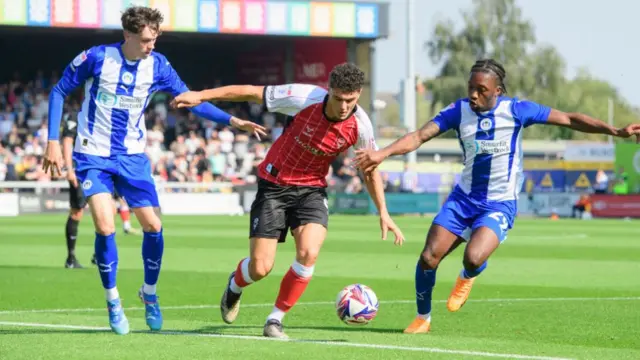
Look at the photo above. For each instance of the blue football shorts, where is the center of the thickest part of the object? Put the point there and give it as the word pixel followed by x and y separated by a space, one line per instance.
pixel 129 174
pixel 461 215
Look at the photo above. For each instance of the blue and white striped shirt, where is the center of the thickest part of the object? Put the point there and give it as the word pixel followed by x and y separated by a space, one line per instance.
pixel 491 143
pixel 116 93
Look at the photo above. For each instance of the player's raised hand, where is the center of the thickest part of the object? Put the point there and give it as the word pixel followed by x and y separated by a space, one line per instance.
pixel 386 224
pixel 187 99
pixel 53 158
pixel 368 160
pixel 631 130
pixel 249 126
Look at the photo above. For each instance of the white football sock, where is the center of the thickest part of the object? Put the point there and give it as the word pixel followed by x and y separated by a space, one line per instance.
pixel 149 289
pixel 276 314
pixel 234 287
pixel 111 294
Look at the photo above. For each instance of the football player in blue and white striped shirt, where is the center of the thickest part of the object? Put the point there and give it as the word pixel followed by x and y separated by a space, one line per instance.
pixel 482 207
pixel 119 80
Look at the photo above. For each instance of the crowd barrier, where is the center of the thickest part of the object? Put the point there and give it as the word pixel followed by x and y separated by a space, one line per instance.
pixel 545 204
pixel 397 203
pixel 18 198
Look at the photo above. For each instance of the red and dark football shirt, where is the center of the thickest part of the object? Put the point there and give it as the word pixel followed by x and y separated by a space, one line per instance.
pixel 303 153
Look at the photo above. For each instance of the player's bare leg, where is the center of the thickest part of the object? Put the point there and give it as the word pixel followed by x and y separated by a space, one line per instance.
pixel 152 250
pixel 484 241
pixel 107 258
pixel 439 243
pixel 309 239
pixel 262 254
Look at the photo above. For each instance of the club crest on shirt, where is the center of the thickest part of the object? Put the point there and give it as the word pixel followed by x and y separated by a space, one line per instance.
pixel 127 78
pixel 485 124
pixel 308 131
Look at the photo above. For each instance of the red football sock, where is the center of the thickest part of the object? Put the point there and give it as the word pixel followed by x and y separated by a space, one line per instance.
pixel 293 285
pixel 125 214
pixel 241 278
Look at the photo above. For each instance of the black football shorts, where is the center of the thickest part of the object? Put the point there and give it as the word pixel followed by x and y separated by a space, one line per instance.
pixel 278 208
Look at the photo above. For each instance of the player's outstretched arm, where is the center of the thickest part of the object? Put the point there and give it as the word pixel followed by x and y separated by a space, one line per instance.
pixel 368 160
pixel 587 124
pixel 233 93
pixel 213 113
pixel 170 81
pixel 373 181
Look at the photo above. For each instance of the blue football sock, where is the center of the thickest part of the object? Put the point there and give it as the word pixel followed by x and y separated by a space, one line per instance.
pixel 468 274
pixel 152 249
pixel 107 259
pixel 425 281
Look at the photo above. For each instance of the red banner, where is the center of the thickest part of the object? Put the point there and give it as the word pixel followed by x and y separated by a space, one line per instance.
pixel 314 59
pixel 264 66
pixel 616 206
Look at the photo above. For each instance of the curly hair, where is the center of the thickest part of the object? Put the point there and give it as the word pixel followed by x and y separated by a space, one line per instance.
pixel 135 18
pixel 346 77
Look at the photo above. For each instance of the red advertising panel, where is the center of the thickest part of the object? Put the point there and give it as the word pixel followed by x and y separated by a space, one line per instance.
pixel 262 66
pixel 314 59
pixel 617 206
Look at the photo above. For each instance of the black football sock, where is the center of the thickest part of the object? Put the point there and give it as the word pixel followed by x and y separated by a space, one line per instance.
pixel 71 233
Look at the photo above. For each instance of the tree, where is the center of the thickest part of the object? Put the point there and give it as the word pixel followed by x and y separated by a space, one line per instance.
pixel 497 29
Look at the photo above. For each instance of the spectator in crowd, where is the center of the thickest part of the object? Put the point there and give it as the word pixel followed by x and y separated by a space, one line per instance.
pixel 582 208
pixel 601 184
pixel 181 146
pixel 409 182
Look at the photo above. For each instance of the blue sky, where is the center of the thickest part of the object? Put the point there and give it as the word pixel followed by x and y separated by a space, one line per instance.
pixel 599 35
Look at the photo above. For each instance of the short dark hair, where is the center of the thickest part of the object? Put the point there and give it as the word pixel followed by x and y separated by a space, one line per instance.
pixel 346 77
pixel 492 66
pixel 135 18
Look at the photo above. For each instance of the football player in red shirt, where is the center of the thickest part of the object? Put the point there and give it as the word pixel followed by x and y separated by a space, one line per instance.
pixel 291 187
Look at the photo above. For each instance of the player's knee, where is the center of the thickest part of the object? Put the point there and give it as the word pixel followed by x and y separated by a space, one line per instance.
pixel 153 226
pixel 260 268
pixel 76 214
pixel 105 229
pixel 429 260
pixel 307 257
pixel 473 260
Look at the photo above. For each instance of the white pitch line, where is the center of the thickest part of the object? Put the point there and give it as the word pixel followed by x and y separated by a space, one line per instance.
pixel 318 303
pixel 317 342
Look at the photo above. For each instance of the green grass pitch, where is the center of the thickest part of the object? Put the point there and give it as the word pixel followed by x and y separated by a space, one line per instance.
pixel 554 289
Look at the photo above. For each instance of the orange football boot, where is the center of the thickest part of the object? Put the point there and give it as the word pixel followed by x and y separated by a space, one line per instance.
pixel 460 293
pixel 418 326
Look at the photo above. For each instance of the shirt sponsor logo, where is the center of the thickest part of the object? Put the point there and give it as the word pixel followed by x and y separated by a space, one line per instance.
pixel 492 147
pixel 122 102
pixel 313 150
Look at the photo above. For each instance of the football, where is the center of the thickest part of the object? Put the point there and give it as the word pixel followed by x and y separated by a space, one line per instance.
pixel 357 304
